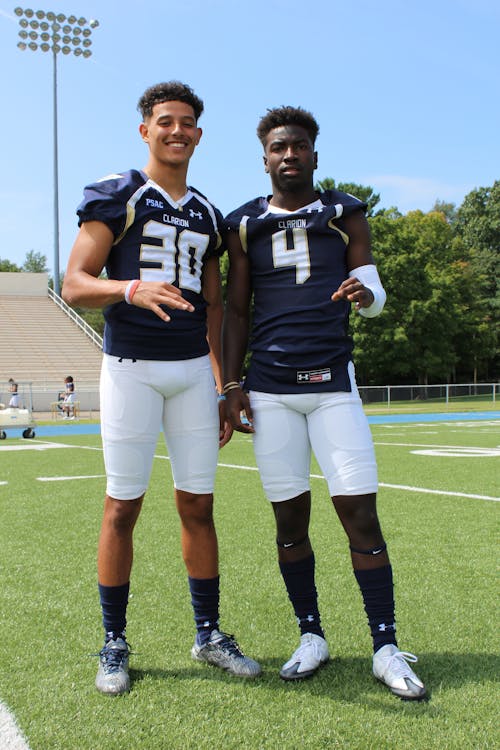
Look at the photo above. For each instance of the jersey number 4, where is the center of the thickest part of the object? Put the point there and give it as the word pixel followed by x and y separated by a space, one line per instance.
pixel 297 255
pixel 179 256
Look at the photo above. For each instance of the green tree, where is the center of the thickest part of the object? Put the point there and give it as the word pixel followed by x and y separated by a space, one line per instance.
pixel 6 266
pixel 94 318
pixel 449 210
pixel 477 232
pixel 413 340
pixel 35 263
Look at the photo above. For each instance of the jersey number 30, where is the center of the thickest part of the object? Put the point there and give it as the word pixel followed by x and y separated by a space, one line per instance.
pixel 180 255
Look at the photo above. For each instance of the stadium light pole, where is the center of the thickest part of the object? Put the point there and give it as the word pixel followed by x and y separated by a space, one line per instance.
pixel 48 31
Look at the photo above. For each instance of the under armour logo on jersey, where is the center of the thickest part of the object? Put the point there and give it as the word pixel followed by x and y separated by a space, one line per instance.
pixel 314 376
pixel 192 214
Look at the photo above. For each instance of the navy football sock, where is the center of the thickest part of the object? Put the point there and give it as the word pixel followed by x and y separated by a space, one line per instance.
pixel 299 581
pixel 378 597
pixel 205 601
pixel 114 600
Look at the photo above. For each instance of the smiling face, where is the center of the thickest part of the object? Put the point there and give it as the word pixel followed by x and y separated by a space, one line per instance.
pixel 290 159
pixel 171 133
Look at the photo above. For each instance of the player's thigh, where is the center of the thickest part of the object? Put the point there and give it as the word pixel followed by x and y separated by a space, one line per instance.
pixel 281 446
pixel 130 424
pixel 342 443
pixel 191 427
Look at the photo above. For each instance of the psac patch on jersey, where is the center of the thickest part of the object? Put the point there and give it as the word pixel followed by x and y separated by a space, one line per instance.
pixel 314 376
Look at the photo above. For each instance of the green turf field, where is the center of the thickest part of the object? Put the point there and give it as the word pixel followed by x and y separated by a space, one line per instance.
pixel 438 512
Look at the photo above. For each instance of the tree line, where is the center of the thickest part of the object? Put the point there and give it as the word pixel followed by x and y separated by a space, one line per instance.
pixel 440 270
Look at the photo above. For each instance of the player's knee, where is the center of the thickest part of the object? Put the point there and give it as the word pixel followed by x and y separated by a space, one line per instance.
pixel 195 509
pixel 292 519
pixel 365 522
pixel 359 516
pixel 121 515
pixel 292 529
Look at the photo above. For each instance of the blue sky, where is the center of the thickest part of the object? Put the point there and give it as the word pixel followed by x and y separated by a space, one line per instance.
pixel 406 94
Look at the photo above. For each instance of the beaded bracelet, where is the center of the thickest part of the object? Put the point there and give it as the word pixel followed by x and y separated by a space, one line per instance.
pixel 231 386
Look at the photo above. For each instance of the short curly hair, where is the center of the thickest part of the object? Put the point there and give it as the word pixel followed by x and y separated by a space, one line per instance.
pixel 171 91
pixel 279 116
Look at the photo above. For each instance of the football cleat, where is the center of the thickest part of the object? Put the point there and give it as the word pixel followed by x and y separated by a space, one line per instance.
pixel 307 659
pixel 222 651
pixel 390 666
pixel 112 675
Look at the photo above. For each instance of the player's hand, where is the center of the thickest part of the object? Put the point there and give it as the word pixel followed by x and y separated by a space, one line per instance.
pixel 237 405
pixel 225 426
pixel 353 290
pixel 151 294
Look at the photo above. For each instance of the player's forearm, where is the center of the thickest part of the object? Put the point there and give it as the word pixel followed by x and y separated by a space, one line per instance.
pixel 214 331
pixel 80 289
pixel 234 345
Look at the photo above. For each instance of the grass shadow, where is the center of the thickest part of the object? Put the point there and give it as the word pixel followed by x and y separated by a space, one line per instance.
pixel 347 679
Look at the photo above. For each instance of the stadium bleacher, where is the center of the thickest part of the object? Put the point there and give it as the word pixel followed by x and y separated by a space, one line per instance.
pixel 39 342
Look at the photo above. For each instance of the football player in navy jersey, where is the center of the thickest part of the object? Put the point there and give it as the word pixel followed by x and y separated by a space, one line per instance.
pixel 305 257
pixel 159 242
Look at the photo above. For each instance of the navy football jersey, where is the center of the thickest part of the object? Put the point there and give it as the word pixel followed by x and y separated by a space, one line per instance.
pixel 155 239
pixel 299 340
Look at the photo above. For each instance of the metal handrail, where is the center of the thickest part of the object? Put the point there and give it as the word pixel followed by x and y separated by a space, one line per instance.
pixel 80 322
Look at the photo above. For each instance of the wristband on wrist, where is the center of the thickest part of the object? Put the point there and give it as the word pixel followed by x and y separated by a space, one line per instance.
pixel 230 386
pixel 131 289
pixel 220 397
pixel 368 276
pixel 230 382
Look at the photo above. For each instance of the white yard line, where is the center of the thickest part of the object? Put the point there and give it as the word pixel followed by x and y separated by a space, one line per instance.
pixel 11 737
pixel 408 488
pixel 65 479
pixel 438 446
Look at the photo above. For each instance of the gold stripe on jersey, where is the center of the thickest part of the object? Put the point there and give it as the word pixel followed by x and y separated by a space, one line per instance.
pixel 344 236
pixel 243 233
pixel 131 203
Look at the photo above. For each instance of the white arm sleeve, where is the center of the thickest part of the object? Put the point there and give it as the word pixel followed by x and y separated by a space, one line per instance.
pixel 368 275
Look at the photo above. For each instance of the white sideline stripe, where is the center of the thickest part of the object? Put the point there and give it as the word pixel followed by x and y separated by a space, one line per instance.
pixel 408 488
pixel 389 486
pixel 64 479
pixel 10 734
pixel 438 492
pixel 31 445
pixel 438 447
pixel 235 466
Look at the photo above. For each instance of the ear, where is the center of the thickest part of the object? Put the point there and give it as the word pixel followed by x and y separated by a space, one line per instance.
pixel 198 136
pixel 143 130
pixel 315 160
pixel 266 165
